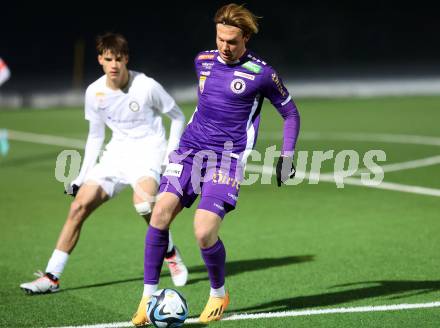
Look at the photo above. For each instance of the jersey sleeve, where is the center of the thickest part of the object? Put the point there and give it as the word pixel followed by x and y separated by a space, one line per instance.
pixel 95 140
pixel 274 89
pixel 159 98
pixel 176 129
pixel 276 92
pixel 90 110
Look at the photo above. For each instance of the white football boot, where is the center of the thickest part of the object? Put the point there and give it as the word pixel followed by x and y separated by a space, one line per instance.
pixel 178 270
pixel 46 283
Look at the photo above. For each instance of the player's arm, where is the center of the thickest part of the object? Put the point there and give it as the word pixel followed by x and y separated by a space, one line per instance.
pixel 176 129
pixel 95 140
pixel 277 93
pixel 285 168
pixel 166 105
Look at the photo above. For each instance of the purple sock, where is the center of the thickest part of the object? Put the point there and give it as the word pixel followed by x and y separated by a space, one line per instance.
pixel 156 244
pixel 215 258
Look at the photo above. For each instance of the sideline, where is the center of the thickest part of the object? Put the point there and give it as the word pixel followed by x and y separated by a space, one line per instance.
pixel 267 315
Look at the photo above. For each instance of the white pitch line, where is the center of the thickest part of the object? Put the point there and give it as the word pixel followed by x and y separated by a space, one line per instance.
pixel 428 161
pixel 364 137
pixel 283 314
pixel 346 136
pixel 378 308
pixel 380 137
pixel 385 186
pixel 46 139
pixel 325 177
pixel 330 177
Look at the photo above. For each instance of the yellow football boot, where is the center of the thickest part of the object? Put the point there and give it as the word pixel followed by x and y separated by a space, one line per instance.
pixel 214 308
pixel 140 318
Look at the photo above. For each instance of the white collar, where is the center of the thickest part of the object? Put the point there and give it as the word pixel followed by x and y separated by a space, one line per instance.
pixel 220 59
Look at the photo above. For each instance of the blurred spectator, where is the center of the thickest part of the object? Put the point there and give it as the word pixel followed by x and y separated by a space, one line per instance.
pixel 5 73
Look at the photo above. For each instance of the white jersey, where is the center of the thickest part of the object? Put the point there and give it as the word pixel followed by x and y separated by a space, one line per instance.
pixel 132 113
pixel 138 147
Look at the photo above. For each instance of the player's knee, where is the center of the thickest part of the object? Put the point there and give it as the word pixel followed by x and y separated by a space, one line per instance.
pixel 78 210
pixel 204 237
pixel 161 217
pixel 143 208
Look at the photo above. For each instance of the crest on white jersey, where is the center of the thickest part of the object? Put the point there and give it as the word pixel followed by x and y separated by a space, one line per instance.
pixel 100 98
pixel 238 86
pixel 134 106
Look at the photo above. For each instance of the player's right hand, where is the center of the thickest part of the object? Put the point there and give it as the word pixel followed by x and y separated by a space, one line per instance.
pixel 285 169
pixel 72 190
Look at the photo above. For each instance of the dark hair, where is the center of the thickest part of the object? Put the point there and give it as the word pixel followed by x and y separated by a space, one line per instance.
pixel 113 42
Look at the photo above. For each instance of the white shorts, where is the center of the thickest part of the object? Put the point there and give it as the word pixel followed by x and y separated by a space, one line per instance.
pixel 125 163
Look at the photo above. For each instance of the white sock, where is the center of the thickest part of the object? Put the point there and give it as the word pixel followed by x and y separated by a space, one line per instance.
pixel 149 289
pixel 57 262
pixel 170 243
pixel 218 292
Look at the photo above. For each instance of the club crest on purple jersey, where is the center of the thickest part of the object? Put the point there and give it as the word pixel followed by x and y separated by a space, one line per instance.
pixel 238 86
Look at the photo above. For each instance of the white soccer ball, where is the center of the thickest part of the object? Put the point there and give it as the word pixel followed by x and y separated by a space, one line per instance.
pixel 167 308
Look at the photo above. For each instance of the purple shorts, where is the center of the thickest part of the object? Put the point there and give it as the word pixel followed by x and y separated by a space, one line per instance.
pixel 217 178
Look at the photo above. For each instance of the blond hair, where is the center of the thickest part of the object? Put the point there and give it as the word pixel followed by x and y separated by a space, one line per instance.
pixel 238 16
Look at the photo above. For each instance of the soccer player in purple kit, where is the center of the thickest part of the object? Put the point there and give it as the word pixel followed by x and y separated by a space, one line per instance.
pixel 233 82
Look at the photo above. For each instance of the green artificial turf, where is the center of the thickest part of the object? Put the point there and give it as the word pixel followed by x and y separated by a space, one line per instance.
pixel 304 247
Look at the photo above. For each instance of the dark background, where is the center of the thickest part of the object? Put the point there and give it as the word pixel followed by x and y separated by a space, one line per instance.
pixel 300 39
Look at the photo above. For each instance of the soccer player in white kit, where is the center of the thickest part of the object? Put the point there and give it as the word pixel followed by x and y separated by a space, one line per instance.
pixel 130 104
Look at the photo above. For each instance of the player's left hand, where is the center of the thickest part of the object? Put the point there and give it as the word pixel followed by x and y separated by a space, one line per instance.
pixel 285 169
pixel 72 190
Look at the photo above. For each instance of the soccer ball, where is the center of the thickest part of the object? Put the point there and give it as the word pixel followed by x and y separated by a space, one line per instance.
pixel 167 308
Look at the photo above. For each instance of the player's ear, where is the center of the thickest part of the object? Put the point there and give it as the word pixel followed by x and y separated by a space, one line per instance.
pixel 100 60
pixel 246 38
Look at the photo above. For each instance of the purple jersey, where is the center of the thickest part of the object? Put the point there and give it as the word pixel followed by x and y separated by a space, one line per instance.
pixel 230 97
